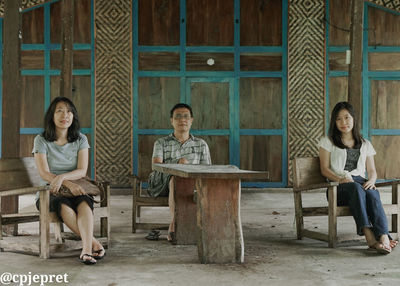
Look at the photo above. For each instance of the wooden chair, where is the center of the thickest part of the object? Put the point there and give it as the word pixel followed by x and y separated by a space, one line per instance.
pixel 307 177
pixel 19 176
pixel 139 199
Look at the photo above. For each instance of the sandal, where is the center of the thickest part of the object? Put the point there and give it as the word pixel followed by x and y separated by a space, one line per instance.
pixel 100 253
pixel 89 261
pixel 381 248
pixel 153 235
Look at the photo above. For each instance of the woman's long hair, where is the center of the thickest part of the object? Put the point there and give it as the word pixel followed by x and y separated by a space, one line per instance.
pixel 49 132
pixel 334 132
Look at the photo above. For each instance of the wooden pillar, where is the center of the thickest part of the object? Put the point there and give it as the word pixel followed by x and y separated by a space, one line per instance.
pixel 67 48
pixel 11 92
pixel 355 70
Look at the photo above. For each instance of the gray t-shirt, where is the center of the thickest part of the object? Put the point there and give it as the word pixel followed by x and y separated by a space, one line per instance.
pixel 61 159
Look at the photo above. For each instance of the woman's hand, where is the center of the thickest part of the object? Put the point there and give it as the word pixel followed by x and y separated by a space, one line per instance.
pixel 183 161
pixel 345 180
pixel 75 189
pixel 370 184
pixel 56 183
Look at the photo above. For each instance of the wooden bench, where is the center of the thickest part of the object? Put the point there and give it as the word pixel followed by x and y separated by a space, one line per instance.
pixel 139 200
pixel 19 176
pixel 307 177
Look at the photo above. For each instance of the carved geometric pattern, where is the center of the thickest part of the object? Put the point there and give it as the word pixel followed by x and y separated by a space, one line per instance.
pixel 390 4
pixel 25 4
pixel 306 96
pixel 113 131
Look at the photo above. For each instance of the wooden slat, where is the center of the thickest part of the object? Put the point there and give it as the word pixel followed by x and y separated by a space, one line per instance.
pixel 198 62
pixel 316 186
pixel 20 218
pixel 306 171
pixel 315 235
pixel 260 62
pixel 159 61
pixel 209 171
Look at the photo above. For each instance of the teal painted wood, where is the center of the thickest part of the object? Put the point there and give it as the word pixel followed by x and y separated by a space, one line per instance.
pixel 365 88
pixel 32 131
pixel 233 77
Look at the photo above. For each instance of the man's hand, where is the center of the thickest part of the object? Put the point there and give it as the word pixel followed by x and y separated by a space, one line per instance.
pixel 345 180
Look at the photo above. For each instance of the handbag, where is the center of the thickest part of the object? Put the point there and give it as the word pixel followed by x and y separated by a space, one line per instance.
pixel 91 187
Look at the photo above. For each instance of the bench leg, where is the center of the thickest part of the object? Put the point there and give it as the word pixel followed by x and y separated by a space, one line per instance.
pixel 396 217
pixel 298 214
pixel 44 228
pixel 58 232
pixel 332 217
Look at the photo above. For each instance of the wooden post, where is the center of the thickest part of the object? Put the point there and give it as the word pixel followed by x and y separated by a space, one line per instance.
pixel 67 48
pixel 355 69
pixel 44 225
pixel 11 93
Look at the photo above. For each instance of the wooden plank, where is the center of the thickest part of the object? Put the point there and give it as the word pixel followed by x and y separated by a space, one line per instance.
pixel 219 148
pixel 306 171
pixel 384 61
pixel 11 91
pixel 67 15
pixel 210 23
pixel 314 235
pixel 385 104
pixel 261 23
pixel 339 20
pixel 338 89
pixel 384 28
pixel 81 22
pixel 32 102
pixel 159 61
pixel 19 218
pixel 156 98
pixel 32 60
pixel 260 62
pixel 185 211
pixel 387 160
pixel 146 143
pixel 218 216
pixel 337 62
pixel 199 62
pixel 159 22
pixel 355 69
pixel 32 26
pixel 256 96
pixel 262 153
pixel 210 101
pixel 209 171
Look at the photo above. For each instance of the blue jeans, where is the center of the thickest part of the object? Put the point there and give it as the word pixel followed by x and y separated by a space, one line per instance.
pixel 365 206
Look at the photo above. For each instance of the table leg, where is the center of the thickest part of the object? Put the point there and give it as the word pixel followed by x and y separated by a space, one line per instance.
pixel 218 218
pixel 185 211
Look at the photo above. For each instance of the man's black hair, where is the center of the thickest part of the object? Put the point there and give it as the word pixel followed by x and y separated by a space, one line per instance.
pixel 181 105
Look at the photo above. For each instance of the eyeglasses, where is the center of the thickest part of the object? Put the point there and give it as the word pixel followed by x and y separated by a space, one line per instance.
pixel 180 116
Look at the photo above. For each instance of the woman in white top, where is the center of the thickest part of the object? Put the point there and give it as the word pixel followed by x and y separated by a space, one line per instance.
pixel 344 158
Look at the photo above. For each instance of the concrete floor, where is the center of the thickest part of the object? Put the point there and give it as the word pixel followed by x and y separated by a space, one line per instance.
pixel 273 256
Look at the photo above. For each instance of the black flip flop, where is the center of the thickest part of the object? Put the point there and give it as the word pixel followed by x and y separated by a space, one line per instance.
pixel 87 262
pixel 153 235
pixel 98 257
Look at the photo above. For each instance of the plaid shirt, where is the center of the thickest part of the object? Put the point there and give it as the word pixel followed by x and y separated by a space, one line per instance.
pixel 170 150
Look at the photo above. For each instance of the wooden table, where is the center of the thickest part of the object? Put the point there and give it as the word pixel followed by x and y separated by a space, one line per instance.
pixel 218 230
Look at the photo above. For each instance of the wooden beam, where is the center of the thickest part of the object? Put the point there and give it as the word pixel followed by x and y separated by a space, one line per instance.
pixel 67 48
pixel 355 69
pixel 11 92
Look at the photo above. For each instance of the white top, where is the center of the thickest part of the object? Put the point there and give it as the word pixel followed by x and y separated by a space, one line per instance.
pixel 339 156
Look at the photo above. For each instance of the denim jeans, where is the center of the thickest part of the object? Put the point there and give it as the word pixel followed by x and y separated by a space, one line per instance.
pixel 365 206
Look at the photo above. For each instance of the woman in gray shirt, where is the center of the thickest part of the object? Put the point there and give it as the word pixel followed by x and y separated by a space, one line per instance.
pixel 61 153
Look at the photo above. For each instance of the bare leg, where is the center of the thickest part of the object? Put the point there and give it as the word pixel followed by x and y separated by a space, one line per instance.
pixel 369 236
pixel 171 204
pixel 70 219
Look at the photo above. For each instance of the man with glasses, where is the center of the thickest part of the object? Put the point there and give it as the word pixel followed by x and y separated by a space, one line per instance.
pixel 180 147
